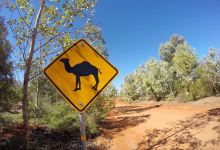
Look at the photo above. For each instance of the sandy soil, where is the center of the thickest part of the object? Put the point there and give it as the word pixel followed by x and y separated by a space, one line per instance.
pixel 152 125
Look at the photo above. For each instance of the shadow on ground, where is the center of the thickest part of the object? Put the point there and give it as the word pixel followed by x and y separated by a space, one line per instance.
pixel 41 138
pixel 133 109
pixel 182 134
pixel 121 123
pixel 115 125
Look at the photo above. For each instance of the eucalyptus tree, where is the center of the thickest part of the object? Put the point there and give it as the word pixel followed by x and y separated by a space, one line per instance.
pixel 185 63
pixel 128 91
pixel 209 69
pixel 159 79
pixel 133 87
pixel 168 49
pixel 48 26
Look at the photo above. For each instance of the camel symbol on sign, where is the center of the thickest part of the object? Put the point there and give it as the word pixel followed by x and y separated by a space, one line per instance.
pixel 82 69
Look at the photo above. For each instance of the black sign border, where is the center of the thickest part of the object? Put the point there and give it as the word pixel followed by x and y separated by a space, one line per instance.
pixel 85 107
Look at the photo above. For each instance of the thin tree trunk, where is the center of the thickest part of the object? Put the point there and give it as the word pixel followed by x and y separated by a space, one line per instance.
pixel 171 91
pixel 26 78
pixel 216 90
pixel 37 96
pixel 38 78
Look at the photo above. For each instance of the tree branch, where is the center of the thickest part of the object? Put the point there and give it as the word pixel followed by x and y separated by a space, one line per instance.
pixel 34 76
pixel 23 52
pixel 44 44
pixel 46 55
pixel 23 18
pixel 33 16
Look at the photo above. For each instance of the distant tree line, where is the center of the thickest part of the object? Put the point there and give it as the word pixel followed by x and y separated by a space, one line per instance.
pixel 8 86
pixel 177 75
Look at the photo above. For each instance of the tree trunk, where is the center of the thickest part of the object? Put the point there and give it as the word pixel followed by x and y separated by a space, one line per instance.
pixel 216 90
pixel 26 78
pixel 38 78
pixel 171 91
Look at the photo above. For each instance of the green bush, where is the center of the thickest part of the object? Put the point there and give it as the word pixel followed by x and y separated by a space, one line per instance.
pixel 43 108
pixel 60 115
pixel 10 98
pixel 201 88
pixel 183 97
pixel 129 88
pixel 100 108
pixel 7 118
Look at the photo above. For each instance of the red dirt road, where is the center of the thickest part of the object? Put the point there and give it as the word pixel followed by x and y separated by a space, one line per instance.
pixel 152 125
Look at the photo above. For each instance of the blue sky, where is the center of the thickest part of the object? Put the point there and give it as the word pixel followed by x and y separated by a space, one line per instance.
pixel 134 29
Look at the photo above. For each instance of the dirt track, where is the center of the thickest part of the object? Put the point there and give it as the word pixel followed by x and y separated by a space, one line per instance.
pixel 151 125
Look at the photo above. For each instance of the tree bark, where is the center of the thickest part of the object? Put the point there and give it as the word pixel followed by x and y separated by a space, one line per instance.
pixel 38 78
pixel 26 78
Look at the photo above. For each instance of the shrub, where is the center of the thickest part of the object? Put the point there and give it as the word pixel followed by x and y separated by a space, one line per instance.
pixel 201 88
pixel 60 115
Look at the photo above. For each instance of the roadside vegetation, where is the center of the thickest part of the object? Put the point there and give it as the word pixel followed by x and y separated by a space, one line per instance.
pixel 178 75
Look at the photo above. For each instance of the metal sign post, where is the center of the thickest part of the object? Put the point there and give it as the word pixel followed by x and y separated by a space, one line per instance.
pixel 82 130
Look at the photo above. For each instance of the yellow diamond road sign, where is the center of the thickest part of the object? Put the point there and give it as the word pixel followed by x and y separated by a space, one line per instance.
pixel 80 73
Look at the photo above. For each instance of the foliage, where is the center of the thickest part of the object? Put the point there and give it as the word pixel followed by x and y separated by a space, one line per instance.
pixel 97 112
pixel 60 115
pixel 168 49
pixel 184 62
pixel 159 79
pixel 201 88
pixel 57 21
pixel 42 90
pixel 153 80
pixel 8 93
pixel 178 74
pixel 209 69
pixel 8 118
pixel 94 35
pixel 133 88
